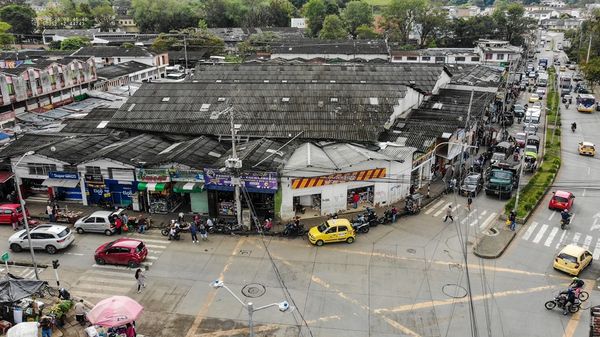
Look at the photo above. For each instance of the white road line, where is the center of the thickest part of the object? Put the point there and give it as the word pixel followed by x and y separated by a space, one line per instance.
pixel 583 194
pixel 487 221
pixel 483 213
pixel 473 222
pixel 155 251
pixel 587 242
pixel 539 235
pixel 156 246
pixel 98 287
pixel 147 264
pixel 93 280
pixel 463 221
pixel 76 254
pixel 437 204
pixel 27 274
pixel 91 294
pixel 562 237
pixel 442 209
pixel 550 237
pixel 110 267
pixel 152 257
pixel 589 170
pixel 155 241
pixel 529 231
pixel 596 253
pixel 572 218
pixel 576 237
pixel 551 216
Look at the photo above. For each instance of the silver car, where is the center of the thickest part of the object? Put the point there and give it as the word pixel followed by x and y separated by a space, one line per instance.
pixel 47 237
pixel 98 222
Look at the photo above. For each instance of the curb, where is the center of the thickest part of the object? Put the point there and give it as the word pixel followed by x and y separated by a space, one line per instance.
pixel 497 255
pixel 26 264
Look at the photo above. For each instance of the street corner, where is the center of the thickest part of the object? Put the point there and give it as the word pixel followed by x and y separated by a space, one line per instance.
pixel 494 242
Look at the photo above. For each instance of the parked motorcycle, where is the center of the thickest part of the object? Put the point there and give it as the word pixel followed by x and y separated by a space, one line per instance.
pixel 292 230
pixel 560 301
pixel 360 224
pixel 220 226
pixel 182 228
pixel 386 219
pixel 371 217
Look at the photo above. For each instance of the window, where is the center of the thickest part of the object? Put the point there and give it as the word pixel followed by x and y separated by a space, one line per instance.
pixel 440 59
pixel 11 88
pixel 70 168
pixel 38 83
pixel 488 56
pixel 28 84
pixel 459 59
pixel 500 57
pixel 475 58
pixel 40 169
pixel 411 58
pixel 426 58
pixel 93 170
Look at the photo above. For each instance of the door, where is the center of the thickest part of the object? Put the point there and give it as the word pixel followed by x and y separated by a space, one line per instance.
pixel 36 240
pixel 111 255
pixel 44 240
pixel 102 224
pixel 121 256
pixel 586 258
pixel 342 232
pixel 89 224
pixel 331 234
pixel 5 215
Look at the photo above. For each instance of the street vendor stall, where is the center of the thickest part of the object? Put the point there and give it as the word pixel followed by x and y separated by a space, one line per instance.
pixel 114 315
pixel 65 215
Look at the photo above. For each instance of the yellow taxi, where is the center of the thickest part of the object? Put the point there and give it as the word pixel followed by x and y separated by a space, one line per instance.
pixel 572 259
pixel 534 98
pixel 334 230
pixel 587 149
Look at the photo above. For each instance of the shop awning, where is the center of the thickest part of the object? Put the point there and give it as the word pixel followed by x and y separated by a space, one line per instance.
pixel 185 187
pixel 5 176
pixel 69 183
pixel 151 186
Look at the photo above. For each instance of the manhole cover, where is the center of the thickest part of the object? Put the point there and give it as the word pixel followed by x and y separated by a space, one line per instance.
pixel 245 252
pixel 411 251
pixel 454 291
pixel 254 290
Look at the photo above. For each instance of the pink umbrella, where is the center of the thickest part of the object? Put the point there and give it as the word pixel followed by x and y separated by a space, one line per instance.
pixel 115 311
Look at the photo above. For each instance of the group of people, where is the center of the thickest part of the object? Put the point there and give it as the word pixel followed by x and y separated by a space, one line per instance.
pixel 121 222
pixel 52 209
pixel 196 226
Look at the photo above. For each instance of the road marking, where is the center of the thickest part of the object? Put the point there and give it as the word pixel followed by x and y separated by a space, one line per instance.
pixel 93 286
pixel 152 257
pixel 92 280
pixel 28 273
pixel 76 254
pixel 551 216
pixel 155 241
pixel 101 266
pixel 572 218
pixel 587 242
pixel 483 213
pixel 596 253
pixel 156 246
pixel 576 238
pixel 551 237
pixel 442 209
pixel 583 194
pixel 434 206
pixel 562 237
pixel 155 251
pixel 589 170
pixel 473 223
pixel 576 317
pixel 539 235
pixel 530 230
pixel 487 221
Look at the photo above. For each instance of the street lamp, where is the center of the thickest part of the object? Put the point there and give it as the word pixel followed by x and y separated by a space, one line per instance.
pixel 282 306
pixel 25 220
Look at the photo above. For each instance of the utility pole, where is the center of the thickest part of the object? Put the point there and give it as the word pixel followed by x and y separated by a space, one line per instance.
pixel 235 164
pixel 185 53
pixel 557 106
pixel 587 59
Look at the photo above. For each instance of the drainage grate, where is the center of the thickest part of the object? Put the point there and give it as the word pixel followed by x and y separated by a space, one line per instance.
pixel 411 251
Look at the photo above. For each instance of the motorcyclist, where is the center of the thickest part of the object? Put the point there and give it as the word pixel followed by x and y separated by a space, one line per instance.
pixel 573 126
pixel 566 216
pixel 172 233
pixel 577 284
pixel 568 298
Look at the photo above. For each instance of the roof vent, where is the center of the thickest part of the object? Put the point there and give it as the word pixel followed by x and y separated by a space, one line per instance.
pixel 412 83
pixel 285 99
pixel 320 104
pixel 204 107
pixel 373 100
pixel 314 81
pixel 333 99
pixel 218 81
pixel 221 99
pixel 437 106
pixel 363 81
pixel 166 99
pixel 332 81
pixel 283 81
pixel 131 107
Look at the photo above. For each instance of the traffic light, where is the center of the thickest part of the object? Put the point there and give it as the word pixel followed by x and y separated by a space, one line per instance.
pixel 55 264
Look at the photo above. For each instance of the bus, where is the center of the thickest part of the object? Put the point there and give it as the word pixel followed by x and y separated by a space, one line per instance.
pixel 542 80
pixel 586 103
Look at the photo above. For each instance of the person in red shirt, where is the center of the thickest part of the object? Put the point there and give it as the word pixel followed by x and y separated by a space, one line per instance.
pixel 119 225
pixel 355 199
pixel 14 219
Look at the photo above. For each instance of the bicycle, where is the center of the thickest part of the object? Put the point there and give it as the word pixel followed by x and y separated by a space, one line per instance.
pixel 48 290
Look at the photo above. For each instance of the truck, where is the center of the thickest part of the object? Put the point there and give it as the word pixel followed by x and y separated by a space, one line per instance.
pixel 565 85
pixel 543 63
pixel 502 178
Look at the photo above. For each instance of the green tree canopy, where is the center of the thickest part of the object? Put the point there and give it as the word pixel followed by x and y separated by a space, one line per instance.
pixel 165 15
pixel 364 32
pixel 333 28
pixel 591 71
pixel 315 11
pixel 74 43
pixel 434 23
pixel 511 22
pixel 6 38
pixel 357 13
pixel 105 17
pixel 20 17
pixel 401 15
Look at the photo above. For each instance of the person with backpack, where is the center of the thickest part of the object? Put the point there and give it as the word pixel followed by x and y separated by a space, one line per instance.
pixel 46 325
pixel 203 232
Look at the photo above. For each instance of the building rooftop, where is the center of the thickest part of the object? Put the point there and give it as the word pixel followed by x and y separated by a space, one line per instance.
pixel 121 69
pixel 331 47
pixel 113 51
pixel 260 155
pixel 134 151
pixel 196 153
pixel 480 76
pixel 88 33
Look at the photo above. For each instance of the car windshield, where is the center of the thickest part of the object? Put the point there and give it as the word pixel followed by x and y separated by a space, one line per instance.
pixel 502 175
pixel 518 107
pixel 498 156
pixel 560 199
pixel 322 227
pixel 567 257
pixel 139 248
pixel 471 180
pixel 520 136
pixel 110 244
pixel 64 233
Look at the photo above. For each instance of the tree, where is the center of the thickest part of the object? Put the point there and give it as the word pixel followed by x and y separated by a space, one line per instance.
pixel 6 38
pixel 20 17
pixel 165 15
pixel 364 32
pixel 511 22
pixel 74 43
pixel 105 17
pixel 163 43
pixel 591 71
pixel 433 23
pixel 333 28
pixel 315 11
pixel 357 13
pixel 400 16
pixel 280 13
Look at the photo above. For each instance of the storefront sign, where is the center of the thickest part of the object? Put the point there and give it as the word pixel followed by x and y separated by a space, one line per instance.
pixel 338 178
pixel 154 175
pixel 189 176
pixel 95 179
pixel 252 180
pixel 63 175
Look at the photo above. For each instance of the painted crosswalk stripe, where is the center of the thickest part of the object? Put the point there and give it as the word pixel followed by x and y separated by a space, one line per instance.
pixel 152 257
pixel 156 246
pixel 473 222
pixel 432 208
pixel 468 216
pixel 539 235
pixel 587 242
pixel 442 209
pixel 550 237
pixel 94 279
pixel 487 221
pixel 483 214
pixel 163 241
pixel 551 216
pixel 562 237
pixel 530 230
pixel 155 251
pixel 576 238
pixel 596 253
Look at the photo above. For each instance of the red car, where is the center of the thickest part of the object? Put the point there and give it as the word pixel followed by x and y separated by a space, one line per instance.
pixel 561 200
pixel 7 210
pixel 125 251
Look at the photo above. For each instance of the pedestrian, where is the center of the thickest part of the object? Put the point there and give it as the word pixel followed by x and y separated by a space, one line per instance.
pixel 355 199
pixel 129 330
pixel 80 312
pixel 180 218
pixel 14 220
pixel 118 225
pixel 141 280
pixel 55 210
pixel 469 202
pixel 513 220
pixel 194 231
pixel 50 212
pixel 209 223
pixel 141 224
pixel 197 218
pixel 394 214
pixel 412 189
pixel 46 324
pixel 125 218
pixel 268 225
pixel 203 232
pixel 449 214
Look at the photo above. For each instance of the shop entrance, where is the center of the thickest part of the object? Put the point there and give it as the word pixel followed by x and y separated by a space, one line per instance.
pixel 307 206
pixel 362 197
pixel 222 204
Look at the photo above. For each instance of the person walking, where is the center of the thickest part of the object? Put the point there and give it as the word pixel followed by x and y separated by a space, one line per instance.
pixel 469 202
pixel 194 231
pixel 394 214
pixel 50 212
pixel 55 210
pixel 118 225
pixel 141 280
pixel 513 220
pixel 449 214
pixel 141 224
pixel 46 325
pixel 14 220
pixel 80 312
pixel 203 232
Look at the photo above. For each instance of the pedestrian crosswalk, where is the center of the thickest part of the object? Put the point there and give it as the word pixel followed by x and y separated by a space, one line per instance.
pixel 19 271
pixel 474 218
pixel 102 281
pixel 553 237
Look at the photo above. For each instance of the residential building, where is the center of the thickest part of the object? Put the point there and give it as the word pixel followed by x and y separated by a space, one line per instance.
pixel 43 85
pixel 109 55
pixel 127 24
pixel 561 24
pixel 437 55
pixel 497 52
pixel 125 73
pixel 542 14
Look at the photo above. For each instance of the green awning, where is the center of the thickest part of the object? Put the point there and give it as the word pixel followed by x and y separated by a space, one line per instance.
pixel 188 187
pixel 159 187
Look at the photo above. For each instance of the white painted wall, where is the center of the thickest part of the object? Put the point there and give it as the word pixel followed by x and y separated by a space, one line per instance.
pixel 104 165
pixel 23 170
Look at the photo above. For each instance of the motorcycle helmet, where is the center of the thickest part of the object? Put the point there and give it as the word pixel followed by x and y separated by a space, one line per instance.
pixel 575 279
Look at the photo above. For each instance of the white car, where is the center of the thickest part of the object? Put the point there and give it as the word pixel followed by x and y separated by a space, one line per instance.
pixel 48 237
pixel 540 91
pixel 98 222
